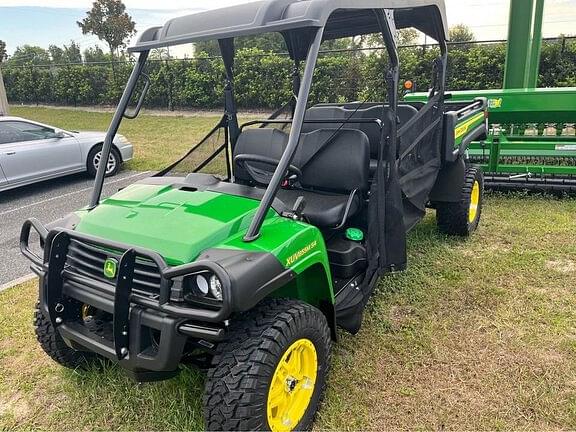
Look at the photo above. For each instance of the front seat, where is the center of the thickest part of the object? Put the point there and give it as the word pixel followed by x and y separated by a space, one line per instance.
pixel 267 142
pixel 335 175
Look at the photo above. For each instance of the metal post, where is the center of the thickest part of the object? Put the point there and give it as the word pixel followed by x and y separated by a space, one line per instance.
pixel 536 51
pixel 113 129
pixel 254 229
pixel 519 43
pixel 3 98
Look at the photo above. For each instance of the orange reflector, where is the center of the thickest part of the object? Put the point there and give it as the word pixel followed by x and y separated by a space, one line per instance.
pixel 408 85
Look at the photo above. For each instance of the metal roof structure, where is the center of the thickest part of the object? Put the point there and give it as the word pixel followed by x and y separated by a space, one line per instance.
pixel 339 18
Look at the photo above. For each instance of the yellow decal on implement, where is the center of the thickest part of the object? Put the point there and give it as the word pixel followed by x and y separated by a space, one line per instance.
pixel 463 128
pixel 295 257
pixel 495 103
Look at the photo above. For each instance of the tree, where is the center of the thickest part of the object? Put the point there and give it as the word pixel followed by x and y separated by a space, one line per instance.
pixel 408 36
pixel 109 21
pixel 56 54
pixel 72 53
pixel 265 42
pixel 67 54
pixel 461 33
pixel 3 53
pixel 95 54
pixel 29 54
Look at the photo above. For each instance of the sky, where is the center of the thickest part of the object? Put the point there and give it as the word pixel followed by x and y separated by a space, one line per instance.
pixel 45 22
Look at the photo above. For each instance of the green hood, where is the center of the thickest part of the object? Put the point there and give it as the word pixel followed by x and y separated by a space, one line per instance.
pixel 178 224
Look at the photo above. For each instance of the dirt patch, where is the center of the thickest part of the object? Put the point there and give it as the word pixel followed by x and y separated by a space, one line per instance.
pixel 401 316
pixel 15 406
pixel 563 266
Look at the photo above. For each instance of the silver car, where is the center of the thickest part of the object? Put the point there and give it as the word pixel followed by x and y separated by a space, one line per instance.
pixel 31 152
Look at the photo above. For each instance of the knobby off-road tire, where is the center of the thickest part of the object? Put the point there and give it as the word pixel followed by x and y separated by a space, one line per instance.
pixel 462 218
pixel 251 362
pixel 53 344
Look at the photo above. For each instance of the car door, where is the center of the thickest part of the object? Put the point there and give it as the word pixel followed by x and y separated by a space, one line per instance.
pixel 29 152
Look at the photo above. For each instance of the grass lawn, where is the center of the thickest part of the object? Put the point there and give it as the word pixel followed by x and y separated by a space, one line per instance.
pixel 475 335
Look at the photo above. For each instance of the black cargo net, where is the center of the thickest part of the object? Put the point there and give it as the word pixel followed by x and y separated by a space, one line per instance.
pixel 419 158
pixel 209 156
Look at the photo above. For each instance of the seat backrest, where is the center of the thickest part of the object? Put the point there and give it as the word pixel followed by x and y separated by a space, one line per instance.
pixel 404 111
pixel 330 161
pixel 351 111
pixel 267 142
pixel 327 112
pixel 334 161
pixel 405 114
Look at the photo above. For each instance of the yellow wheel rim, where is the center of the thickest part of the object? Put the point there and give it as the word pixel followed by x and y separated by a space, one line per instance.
pixel 292 386
pixel 474 202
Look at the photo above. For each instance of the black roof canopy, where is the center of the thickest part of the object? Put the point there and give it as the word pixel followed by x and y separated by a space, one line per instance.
pixel 341 18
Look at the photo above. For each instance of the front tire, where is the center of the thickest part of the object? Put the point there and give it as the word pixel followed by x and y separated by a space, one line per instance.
pixel 270 374
pixel 93 161
pixel 53 344
pixel 462 218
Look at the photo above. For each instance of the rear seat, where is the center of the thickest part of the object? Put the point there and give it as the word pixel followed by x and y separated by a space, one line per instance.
pixel 343 112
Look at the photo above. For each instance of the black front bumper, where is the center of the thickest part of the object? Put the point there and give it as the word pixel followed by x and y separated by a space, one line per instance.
pixel 149 332
pixel 141 299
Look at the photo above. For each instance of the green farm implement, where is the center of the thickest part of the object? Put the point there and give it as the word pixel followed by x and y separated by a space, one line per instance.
pixel 531 142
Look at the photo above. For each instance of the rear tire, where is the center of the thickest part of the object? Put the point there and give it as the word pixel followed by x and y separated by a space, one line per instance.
pixel 114 161
pixel 53 344
pixel 255 368
pixel 462 218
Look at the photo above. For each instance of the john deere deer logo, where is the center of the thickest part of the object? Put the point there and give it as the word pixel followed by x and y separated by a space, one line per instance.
pixel 110 268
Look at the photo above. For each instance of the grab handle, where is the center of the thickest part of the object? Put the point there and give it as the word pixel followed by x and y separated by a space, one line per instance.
pixel 136 111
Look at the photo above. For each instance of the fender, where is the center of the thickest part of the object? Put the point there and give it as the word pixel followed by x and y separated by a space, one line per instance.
pixel 450 181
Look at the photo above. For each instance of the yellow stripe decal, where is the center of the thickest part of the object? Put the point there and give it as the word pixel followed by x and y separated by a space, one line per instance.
pixel 463 128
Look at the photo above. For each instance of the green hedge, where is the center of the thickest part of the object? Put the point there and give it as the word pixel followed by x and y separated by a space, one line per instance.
pixel 263 80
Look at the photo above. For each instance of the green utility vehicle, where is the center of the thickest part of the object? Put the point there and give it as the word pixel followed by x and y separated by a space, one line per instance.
pixel 249 274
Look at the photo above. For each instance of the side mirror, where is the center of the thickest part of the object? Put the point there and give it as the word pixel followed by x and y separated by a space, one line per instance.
pixel 59 134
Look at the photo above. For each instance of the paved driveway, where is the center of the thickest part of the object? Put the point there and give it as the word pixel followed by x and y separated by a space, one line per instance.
pixel 46 201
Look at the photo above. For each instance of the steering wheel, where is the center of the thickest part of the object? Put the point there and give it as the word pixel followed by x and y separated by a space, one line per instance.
pixel 263 176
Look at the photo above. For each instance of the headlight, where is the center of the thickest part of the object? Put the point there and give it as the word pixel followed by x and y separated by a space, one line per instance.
pixel 199 286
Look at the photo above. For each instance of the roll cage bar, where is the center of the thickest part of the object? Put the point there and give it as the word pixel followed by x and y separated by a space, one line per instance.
pixel 303 45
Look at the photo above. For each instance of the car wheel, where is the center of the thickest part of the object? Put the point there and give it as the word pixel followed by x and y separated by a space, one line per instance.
pixel 95 156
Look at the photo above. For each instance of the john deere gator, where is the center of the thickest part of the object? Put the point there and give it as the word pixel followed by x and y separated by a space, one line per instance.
pixel 248 274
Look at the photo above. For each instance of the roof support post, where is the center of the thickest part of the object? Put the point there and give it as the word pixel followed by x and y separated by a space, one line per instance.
pixel 254 230
pixel 228 54
pixel 114 125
